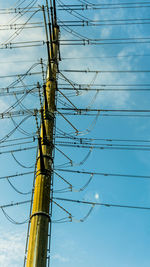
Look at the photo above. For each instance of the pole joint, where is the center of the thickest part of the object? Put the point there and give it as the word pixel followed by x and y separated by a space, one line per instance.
pixel 40 213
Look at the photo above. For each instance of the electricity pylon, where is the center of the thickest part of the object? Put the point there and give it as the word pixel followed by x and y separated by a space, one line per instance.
pixel 40 216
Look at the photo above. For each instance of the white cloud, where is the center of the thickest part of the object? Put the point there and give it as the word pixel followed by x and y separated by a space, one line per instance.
pixel 12 249
pixel 3 105
pixel 60 258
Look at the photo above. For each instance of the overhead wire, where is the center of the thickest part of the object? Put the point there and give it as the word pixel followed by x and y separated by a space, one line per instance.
pixel 108 205
pixel 10 219
pixel 105 174
pixel 106 22
pixel 15 175
pixel 102 7
pixel 17 150
pixel 104 71
pixel 17 190
pixel 17 32
pixel 13 130
pixel 12 204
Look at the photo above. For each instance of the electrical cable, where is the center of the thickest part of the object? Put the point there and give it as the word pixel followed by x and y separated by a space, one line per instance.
pixel 14 204
pixel 15 175
pixel 103 204
pixel 13 130
pixel 104 71
pixel 18 191
pixel 105 174
pixel 11 219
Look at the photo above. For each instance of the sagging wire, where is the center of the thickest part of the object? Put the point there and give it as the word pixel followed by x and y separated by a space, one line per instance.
pixel 63 220
pixel 70 160
pixel 20 129
pixel 70 82
pixel 63 165
pixel 85 159
pixel 11 219
pixel 63 103
pixel 22 12
pixel 85 186
pixel 20 164
pixel 76 131
pixel 18 191
pixel 12 131
pixel 70 94
pixel 80 133
pixel 67 99
pixel 78 15
pixel 58 205
pixel 92 82
pixel 17 32
pixel 73 32
pixel 85 217
pixel 72 218
pixel 61 191
pixel 22 106
pixel 15 104
pixel 76 164
pixel 27 91
pixel 72 188
pixel 92 125
pixel 67 188
pixel 62 133
pixel 13 84
pixel 93 100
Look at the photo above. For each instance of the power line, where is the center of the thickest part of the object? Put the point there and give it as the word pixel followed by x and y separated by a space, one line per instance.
pixel 15 204
pixel 106 89
pixel 15 175
pixel 106 22
pixel 101 204
pixel 103 147
pixel 106 115
pixel 95 42
pixel 85 8
pixel 103 4
pixel 20 74
pixel 105 84
pixel 105 110
pixel 17 144
pixel 104 71
pixel 82 140
pixel 104 57
pixel 105 174
pixel 18 150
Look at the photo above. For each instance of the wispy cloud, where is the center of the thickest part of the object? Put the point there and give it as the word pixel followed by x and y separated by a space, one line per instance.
pixel 60 258
pixel 12 249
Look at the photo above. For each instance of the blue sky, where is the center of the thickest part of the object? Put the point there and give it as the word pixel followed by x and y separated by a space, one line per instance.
pixel 110 237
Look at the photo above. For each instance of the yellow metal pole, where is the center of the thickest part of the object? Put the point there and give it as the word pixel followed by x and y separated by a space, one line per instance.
pixel 40 219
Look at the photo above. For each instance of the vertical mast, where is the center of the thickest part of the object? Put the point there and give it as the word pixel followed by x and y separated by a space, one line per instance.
pixel 40 217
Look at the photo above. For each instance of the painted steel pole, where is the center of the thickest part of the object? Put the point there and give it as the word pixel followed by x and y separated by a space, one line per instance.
pixel 40 218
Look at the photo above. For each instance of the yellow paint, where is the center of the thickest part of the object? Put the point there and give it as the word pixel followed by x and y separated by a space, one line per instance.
pixel 38 239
